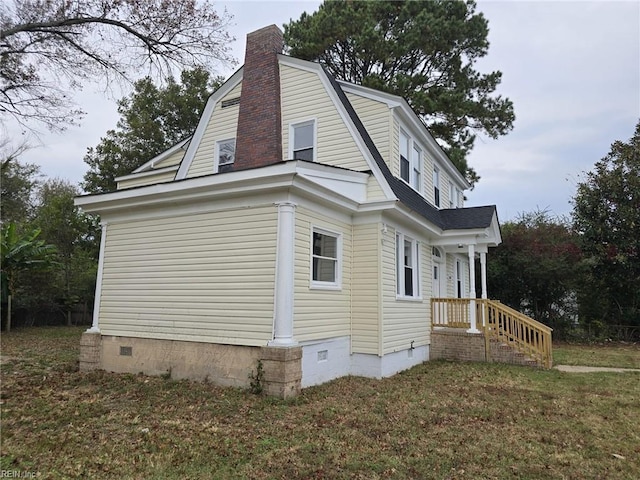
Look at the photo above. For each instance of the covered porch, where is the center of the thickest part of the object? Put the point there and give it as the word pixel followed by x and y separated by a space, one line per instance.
pixel 496 323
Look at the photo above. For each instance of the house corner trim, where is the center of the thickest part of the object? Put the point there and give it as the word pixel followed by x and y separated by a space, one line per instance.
pixel 96 301
pixel 284 282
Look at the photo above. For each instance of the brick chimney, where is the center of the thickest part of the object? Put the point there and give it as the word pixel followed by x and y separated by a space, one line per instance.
pixel 259 136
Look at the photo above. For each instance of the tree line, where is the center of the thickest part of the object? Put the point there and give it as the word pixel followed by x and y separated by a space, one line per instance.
pixel 581 274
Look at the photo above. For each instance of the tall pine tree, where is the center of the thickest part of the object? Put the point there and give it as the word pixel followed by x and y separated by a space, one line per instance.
pixel 424 51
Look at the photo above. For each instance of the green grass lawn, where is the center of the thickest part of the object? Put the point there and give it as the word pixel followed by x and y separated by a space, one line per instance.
pixel 599 355
pixel 439 420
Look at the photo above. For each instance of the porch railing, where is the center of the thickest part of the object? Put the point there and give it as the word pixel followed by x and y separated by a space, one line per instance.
pixel 499 322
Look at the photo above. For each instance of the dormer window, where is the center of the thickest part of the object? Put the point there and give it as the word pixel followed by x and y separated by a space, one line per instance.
pixel 410 162
pixel 302 141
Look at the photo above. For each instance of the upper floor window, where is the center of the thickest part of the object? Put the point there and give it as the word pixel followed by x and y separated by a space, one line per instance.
pixel 436 187
pixel 226 152
pixel 302 141
pixel 407 267
pixel 410 162
pixel 452 196
pixel 325 258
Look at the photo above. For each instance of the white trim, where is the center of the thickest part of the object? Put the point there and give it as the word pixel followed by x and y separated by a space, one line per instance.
pixel 392 101
pixel 95 326
pixel 286 175
pixel 375 366
pixel 483 274
pixel 216 159
pixel 316 371
pixel 160 157
pixel 472 290
pixel 148 173
pixel 302 123
pixel 412 145
pixel 437 185
pixel 283 304
pixel 318 284
pixel 209 108
pixel 415 247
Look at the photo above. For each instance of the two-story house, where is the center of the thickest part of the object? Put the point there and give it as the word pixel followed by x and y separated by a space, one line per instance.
pixel 306 224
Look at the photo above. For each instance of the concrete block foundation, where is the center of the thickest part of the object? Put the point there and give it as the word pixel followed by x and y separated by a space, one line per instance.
pixel 226 365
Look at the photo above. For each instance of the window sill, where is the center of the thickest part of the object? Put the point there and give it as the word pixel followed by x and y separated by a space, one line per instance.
pixel 412 187
pixel 325 286
pixel 402 298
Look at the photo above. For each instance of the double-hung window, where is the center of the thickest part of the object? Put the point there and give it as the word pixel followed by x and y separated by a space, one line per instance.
pixel 325 258
pixel 436 187
pixel 410 162
pixel 452 196
pixel 407 267
pixel 226 152
pixel 302 140
pixel 416 165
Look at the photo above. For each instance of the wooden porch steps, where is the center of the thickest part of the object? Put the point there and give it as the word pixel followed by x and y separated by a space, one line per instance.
pixel 509 336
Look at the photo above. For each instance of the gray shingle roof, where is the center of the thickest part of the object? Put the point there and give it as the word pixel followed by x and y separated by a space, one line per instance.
pixel 448 219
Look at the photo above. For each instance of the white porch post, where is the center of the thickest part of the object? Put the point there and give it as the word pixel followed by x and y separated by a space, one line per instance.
pixel 472 289
pixel 96 301
pixel 283 301
pixel 483 279
pixel 483 274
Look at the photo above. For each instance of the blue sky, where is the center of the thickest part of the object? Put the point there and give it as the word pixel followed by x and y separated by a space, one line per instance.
pixel 572 70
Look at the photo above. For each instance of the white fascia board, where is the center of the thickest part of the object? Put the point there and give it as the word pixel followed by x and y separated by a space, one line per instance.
pixel 348 183
pixel 229 85
pixel 191 189
pixel 148 173
pixel 413 220
pixel 285 175
pixel 481 237
pixel 408 116
pixel 316 68
pixel 161 156
pixel 392 101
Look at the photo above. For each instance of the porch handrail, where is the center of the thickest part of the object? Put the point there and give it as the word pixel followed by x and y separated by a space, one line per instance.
pixel 498 321
pixel 514 328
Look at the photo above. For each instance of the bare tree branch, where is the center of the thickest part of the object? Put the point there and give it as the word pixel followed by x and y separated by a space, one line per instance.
pixel 49 48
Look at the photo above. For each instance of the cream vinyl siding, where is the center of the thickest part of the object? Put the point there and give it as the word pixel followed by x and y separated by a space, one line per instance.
pixel 404 321
pixel 161 177
pixel 365 289
pixel 223 125
pixel 374 190
pixel 170 161
pixel 376 118
pixel 303 97
pixel 319 313
pixel 205 277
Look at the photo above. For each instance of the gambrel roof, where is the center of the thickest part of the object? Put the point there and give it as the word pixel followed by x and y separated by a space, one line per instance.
pixel 446 219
